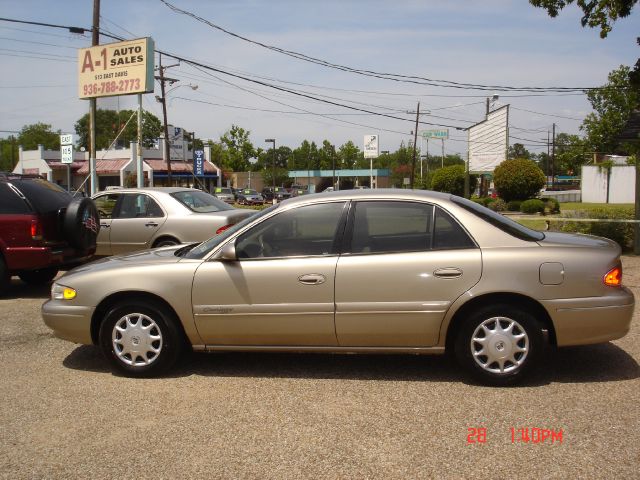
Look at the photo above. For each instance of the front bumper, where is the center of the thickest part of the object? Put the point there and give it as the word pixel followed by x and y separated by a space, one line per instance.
pixel 583 321
pixel 68 322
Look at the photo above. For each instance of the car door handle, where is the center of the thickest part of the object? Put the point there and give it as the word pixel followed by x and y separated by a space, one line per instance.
pixel 104 225
pixel 312 279
pixel 151 224
pixel 448 272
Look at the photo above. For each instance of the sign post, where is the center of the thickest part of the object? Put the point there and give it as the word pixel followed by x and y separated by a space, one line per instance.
pixel 66 155
pixel 371 145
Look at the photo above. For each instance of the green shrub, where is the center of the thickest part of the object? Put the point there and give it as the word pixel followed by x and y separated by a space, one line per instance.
pixel 498 205
pixel 518 179
pixel 451 180
pixel 514 205
pixel 551 205
pixel 622 233
pixel 532 205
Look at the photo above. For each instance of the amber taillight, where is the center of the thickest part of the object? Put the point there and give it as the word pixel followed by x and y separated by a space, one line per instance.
pixel 36 230
pixel 613 278
pixel 222 229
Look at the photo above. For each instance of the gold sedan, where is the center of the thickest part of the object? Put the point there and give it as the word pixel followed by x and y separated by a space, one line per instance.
pixel 384 271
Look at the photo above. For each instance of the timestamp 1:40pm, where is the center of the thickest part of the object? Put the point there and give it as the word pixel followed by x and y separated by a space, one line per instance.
pixel 533 435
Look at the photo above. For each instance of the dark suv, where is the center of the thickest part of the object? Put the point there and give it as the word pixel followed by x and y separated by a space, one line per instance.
pixel 42 228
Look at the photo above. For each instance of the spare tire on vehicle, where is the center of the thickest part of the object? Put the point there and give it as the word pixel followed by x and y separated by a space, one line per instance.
pixel 81 224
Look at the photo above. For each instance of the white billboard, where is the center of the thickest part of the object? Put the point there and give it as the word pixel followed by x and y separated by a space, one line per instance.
pixel 120 68
pixel 489 141
pixel 371 146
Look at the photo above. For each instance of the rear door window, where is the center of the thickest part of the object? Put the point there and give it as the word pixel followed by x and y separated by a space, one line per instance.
pixel 10 201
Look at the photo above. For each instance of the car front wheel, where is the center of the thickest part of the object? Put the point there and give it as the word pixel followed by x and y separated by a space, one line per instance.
pixel 499 345
pixel 140 339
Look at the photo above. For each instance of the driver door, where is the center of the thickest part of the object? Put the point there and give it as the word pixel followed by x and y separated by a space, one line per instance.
pixel 280 290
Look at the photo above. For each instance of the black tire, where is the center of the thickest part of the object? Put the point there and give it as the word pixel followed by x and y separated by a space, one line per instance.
pixel 81 224
pixel 148 330
pixel 514 343
pixel 5 278
pixel 166 242
pixel 38 277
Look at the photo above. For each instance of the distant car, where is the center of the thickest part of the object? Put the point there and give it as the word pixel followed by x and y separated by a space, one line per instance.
pixel 135 219
pixel 248 196
pixel 225 194
pixel 280 193
pixel 355 271
pixel 42 229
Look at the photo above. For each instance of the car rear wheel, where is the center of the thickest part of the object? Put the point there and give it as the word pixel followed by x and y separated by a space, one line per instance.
pixel 500 344
pixel 38 277
pixel 166 242
pixel 140 339
pixel 4 276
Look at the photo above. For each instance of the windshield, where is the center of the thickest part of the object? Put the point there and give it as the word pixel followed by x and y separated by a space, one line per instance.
pixel 200 202
pixel 201 250
pixel 503 223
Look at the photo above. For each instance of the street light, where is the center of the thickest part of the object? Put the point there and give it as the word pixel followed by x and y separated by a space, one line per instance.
pixel 273 174
pixel 163 101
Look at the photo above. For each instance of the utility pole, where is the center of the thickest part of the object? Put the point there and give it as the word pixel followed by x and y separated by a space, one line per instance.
pixel 95 40
pixel 167 154
pixel 553 158
pixel 415 145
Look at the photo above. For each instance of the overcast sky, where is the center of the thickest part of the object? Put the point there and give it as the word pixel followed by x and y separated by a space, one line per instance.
pixel 488 42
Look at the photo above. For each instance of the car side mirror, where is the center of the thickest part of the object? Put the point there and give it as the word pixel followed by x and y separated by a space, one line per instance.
pixel 228 253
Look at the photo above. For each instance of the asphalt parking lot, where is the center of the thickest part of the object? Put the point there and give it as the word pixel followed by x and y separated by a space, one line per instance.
pixel 65 415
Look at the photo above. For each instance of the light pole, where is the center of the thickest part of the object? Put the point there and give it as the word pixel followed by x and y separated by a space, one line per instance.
pixel 163 101
pixel 273 171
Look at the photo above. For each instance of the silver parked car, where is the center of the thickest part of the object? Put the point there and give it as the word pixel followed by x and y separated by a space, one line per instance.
pixel 384 271
pixel 225 194
pixel 135 219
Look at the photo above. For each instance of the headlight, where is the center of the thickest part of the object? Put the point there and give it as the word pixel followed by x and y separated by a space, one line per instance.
pixel 60 292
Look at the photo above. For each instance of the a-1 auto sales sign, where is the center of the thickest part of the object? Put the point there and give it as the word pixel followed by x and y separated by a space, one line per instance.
pixel 121 68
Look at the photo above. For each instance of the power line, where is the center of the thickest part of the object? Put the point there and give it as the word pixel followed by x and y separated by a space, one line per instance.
pixel 370 73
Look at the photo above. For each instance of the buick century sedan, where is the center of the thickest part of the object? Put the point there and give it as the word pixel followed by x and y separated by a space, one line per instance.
pixel 368 271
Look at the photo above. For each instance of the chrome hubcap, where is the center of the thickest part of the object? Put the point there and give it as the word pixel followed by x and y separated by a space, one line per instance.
pixel 499 345
pixel 137 340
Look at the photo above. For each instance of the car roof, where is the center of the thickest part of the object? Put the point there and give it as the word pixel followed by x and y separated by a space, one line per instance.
pixel 372 194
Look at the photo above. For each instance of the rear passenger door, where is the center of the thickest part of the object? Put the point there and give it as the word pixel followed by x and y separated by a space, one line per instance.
pixel 404 265
pixel 136 220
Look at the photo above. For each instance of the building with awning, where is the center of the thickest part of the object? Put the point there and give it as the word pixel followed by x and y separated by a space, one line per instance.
pixel 117 167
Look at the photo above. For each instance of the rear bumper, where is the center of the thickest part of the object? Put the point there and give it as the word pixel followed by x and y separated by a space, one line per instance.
pixel 34 258
pixel 582 321
pixel 68 322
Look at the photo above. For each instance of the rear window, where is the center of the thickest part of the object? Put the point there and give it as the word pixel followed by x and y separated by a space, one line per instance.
pixel 43 195
pixel 200 202
pixel 223 190
pixel 10 201
pixel 503 223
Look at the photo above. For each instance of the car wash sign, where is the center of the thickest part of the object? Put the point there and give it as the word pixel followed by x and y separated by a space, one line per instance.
pixel 371 146
pixel 121 68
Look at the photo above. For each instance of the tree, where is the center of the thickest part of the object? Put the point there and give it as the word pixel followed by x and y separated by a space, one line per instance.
pixel 518 179
pixel 238 149
pixel 109 123
pixel 39 134
pixel 613 104
pixel 517 150
pixel 571 154
pixel 597 13
pixel 349 155
pixel 451 180
pixel 8 153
